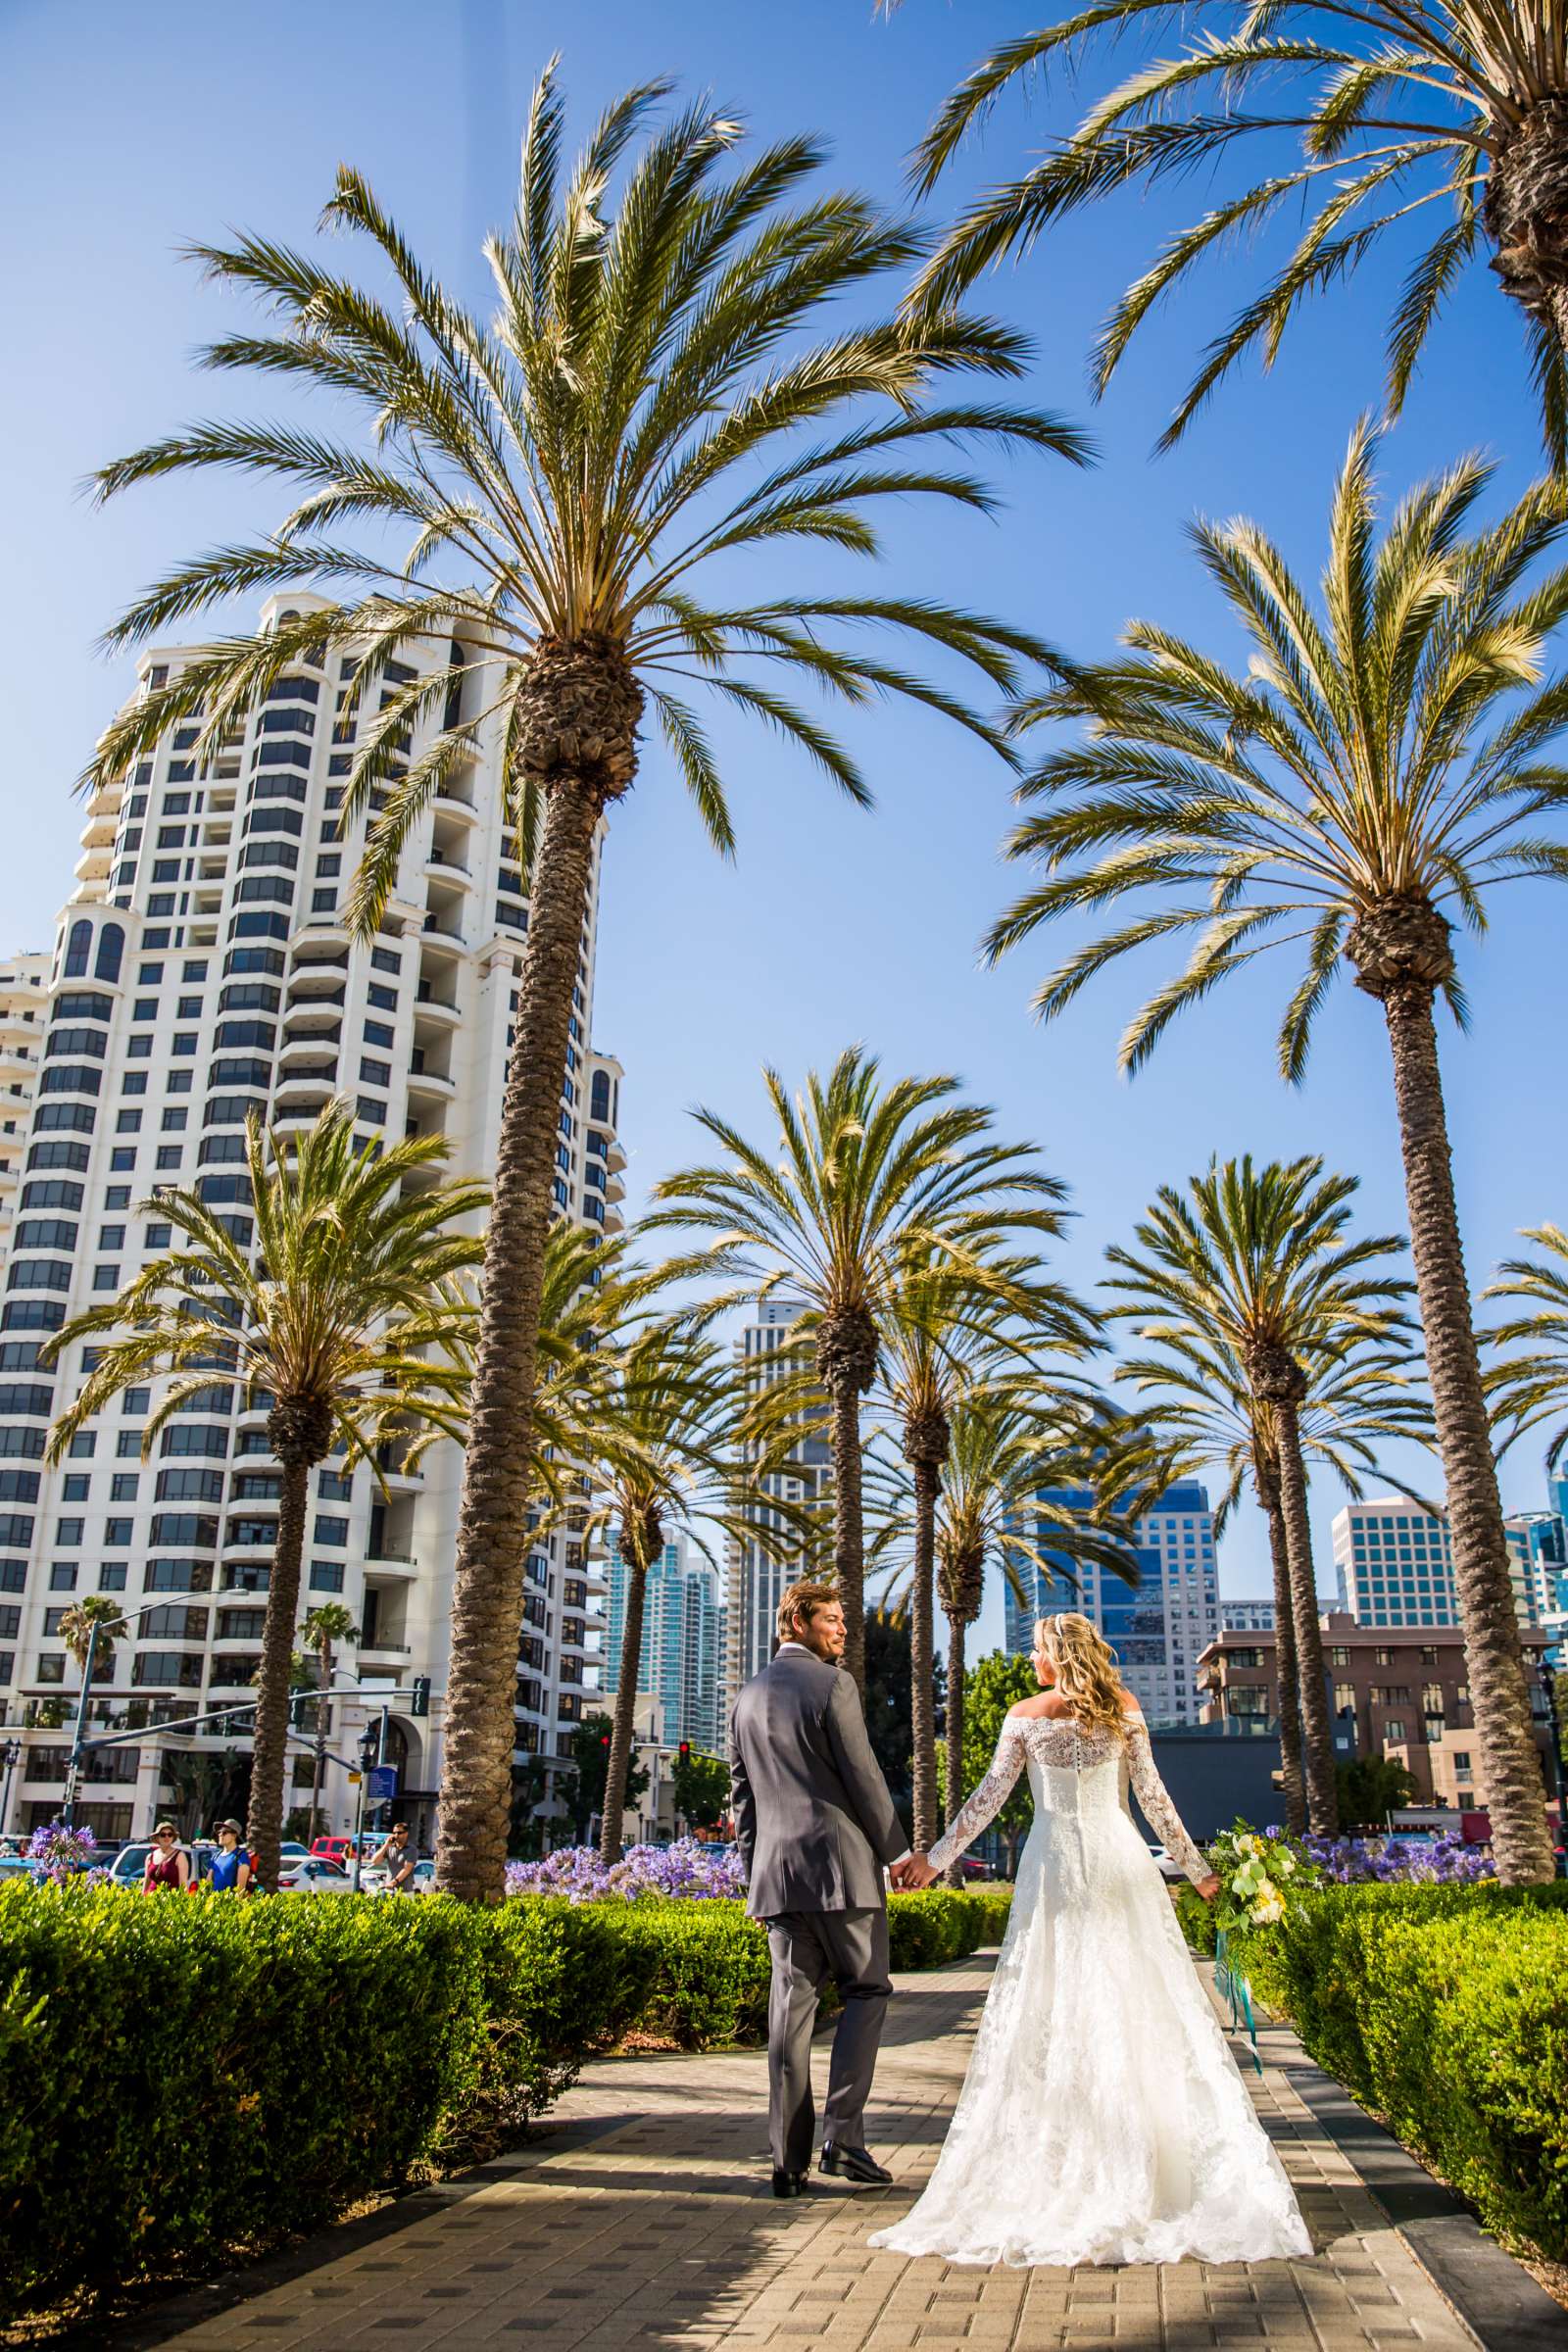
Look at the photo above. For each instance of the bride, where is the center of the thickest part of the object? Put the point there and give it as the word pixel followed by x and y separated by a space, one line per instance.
pixel 1103 2119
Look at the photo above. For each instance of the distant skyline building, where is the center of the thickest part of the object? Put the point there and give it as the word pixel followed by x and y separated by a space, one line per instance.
pixel 1246 1616
pixel 1158 1629
pixel 682 1660
pixel 1394 1564
pixel 24 999
pixel 204 971
pixel 755 1581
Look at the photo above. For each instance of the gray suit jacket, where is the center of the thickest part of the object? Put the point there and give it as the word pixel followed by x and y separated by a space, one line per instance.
pixel 813 1819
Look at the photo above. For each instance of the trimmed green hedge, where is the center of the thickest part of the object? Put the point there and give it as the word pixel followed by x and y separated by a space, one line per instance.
pixel 1445 2009
pixel 182 2077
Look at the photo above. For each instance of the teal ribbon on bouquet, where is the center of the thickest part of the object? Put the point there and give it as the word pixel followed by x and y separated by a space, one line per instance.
pixel 1236 1992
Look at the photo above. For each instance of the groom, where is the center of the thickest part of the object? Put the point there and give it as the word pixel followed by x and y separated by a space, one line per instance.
pixel 815 1826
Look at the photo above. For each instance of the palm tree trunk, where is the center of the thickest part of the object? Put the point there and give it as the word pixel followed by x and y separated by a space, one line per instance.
pixel 1289 1705
pixel 849 1538
pixel 1510 1767
pixel 1524 208
pixel 955 1688
pixel 492 1525
pixel 620 1734
pixel 275 1686
pixel 922 1705
pixel 1318 1722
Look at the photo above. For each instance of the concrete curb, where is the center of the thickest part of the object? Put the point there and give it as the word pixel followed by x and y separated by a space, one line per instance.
pixel 1496 2297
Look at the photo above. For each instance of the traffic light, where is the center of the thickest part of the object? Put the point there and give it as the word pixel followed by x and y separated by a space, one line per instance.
pixel 419 1697
pixel 685 1751
pixel 603 1739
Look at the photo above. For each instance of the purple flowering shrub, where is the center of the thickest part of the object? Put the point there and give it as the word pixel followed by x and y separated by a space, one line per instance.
pixel 1399 1861
pixel 60 1852
pixel 687 1870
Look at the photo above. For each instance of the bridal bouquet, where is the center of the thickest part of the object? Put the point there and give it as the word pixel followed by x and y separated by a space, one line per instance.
pixel 1256 1871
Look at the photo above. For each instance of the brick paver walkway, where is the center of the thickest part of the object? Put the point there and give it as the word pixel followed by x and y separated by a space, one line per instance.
pixel 645 2219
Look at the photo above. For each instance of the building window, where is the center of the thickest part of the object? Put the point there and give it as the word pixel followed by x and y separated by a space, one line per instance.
pixel 63 1577
pixel 326 1576
pixel 330 1530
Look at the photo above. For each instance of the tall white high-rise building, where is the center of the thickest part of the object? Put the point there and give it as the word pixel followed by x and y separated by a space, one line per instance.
pixel 683 1659
pixel 756 1578
pixel 1158 1628
pixel 24 999
pixel 203 971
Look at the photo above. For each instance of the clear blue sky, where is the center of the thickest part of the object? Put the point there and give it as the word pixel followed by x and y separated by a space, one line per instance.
pixel 128 131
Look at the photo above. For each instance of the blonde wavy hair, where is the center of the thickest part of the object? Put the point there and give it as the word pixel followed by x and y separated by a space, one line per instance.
pixel 1087 1674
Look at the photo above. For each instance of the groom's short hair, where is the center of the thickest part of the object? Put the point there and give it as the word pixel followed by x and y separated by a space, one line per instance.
pixel 801 1601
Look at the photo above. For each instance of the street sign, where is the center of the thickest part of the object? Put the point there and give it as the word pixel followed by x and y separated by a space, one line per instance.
pixel 381 1783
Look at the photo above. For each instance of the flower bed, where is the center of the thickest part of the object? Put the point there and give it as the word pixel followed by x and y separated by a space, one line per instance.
pixel 687 1871
pixel 188 2074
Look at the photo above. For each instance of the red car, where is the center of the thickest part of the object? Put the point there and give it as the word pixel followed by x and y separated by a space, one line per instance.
pixel 341 1849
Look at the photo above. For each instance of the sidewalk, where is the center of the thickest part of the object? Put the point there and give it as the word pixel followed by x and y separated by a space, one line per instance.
pixel 643 2218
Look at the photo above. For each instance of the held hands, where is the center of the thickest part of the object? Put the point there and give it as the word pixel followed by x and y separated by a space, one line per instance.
pixel 1208 1887
pixel 914 1870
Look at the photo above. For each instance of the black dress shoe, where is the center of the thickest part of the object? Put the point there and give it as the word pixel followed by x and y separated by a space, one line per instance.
pixel 854 2164
pixel 785 2183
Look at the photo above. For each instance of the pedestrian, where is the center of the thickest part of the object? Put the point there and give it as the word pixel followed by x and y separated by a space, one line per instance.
pixel 231 1864
pixel 397 1856
pixel 168 1863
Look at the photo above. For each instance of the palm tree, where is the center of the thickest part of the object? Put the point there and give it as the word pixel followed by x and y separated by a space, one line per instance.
pixel 328 1624
pixel 949 1327
pixel 77 1623
pixel 352 1282
pixel 1459 104
pixel 1528 1386
pixel 664 1463
pixel 865 1179
pixel 1371 765
pixel 654 396
pixel 1197 1412
pixel 1260 1262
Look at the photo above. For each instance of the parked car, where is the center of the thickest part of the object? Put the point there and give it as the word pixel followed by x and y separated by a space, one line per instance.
pixel 341 1849
pixel 1169 1870
pixel 314 1874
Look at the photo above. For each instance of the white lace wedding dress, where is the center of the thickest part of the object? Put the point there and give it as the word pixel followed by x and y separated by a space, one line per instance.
pixel 1103 2119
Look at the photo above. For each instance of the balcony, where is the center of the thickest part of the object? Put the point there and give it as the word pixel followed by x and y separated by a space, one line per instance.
pixel 447 868
pixel 435 1084
pixel 450 801
pixel 308 1043
pixel 442 1014
pixel 442 934
pixel 309 999
pixel 317 1077
pixel 321 956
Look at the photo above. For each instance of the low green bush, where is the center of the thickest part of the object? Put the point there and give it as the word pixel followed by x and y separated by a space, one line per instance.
pixel 1444 2008
pixel 185 2076
pixel 701 1969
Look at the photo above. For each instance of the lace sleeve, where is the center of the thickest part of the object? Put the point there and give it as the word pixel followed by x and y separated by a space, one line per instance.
pixel 988 1799
pixel 1155 1799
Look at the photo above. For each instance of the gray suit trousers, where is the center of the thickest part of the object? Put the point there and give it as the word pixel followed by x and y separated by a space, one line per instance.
pixel 808 1947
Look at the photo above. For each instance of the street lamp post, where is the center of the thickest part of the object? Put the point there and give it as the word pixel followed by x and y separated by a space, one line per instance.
pixel 11 1757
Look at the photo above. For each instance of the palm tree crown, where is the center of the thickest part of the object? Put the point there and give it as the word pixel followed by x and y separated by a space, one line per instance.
pixel 1397 110
pixel 1376 763
pixel 865 1180
pixel 351 1320
pixel 632 412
